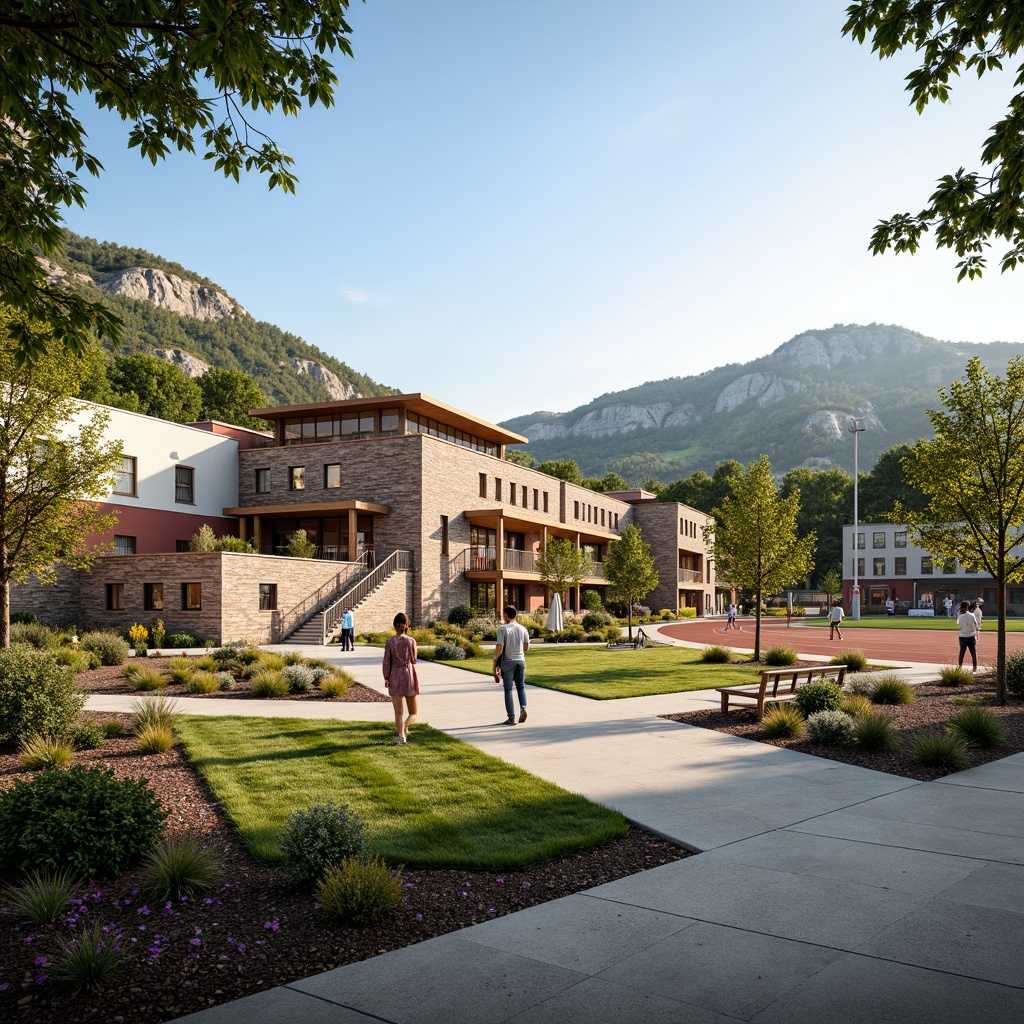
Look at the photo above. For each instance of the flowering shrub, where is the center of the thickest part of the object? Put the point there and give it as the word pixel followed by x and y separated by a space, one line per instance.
pixel 834 728
pixel 138 635
pixel 449 652
pixel 300 678
pixel 314 839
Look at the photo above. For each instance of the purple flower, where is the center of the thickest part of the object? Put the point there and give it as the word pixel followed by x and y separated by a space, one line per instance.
pixel 142 927
pixel 207 901
pixel 41 979
pixel 526 885
pixel 501 881
pixel 419 917
pixel 4 987
pixel 145 911
pixel 41 961
pixel 223 956
pixel 463 893
pixel 195 942
pixel 241 947
pixel 272 925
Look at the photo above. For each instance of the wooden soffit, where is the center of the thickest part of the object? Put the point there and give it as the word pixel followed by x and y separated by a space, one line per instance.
pixel 310 509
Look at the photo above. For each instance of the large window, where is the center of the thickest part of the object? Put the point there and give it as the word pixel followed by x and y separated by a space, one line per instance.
pixel 512 493
pixel 860 542
pixel 878 539
pixel 425 425
pixel 332 476
pixel 115 597
pixel 297 478
pixel 153 597
pixel 184 485
pixel 262 481
pixel 268 597
pixel 878 566
pixel 901 565
pixel 124 545
pixel 127 481
pixel 927 566
pixel 860 568
pixel 191 597
pixel 899 539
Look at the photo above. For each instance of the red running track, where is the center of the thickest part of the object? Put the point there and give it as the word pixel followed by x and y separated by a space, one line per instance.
pixel 929 646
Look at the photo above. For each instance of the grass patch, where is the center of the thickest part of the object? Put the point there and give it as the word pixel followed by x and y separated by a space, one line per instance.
pixel 601 674
pixel 437 802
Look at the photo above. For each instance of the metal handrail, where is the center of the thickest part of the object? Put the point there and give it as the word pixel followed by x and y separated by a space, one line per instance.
pixel 691 576
pixel 290 620
pixel 396 561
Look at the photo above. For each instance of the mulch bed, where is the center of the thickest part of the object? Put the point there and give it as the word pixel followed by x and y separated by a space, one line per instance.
pixel 932 708
pixel 255 931
pixel 110 679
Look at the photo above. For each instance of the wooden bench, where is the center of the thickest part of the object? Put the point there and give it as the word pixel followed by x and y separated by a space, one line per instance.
pixel 780 684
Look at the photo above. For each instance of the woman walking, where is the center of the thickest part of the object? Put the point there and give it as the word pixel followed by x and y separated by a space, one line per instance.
pixel 968 627
pixel 400 676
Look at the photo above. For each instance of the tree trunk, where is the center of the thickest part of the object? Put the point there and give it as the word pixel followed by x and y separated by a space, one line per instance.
pixel 629 619
pixel 757 626
pixel 5 601
pixel 1000 626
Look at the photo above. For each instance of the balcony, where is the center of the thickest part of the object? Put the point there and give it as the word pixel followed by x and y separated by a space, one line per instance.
pixel 484 559
pixel 691 576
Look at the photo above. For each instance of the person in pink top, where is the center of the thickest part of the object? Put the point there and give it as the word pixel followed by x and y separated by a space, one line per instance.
pixel 400 676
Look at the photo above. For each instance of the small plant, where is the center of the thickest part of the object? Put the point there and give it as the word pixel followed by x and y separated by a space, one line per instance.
pixel 941 750
pixel 158 633
pixel 359 892
pixel 179 640
pixel 153 711
pixel 335 686
pixel 247 656
pixel 830 728
pixel 269 660
pixel 207 663
pixel 978 727
pixel 449 652
pixel 147 679
pixel 1015 673
pixel 81 820
pixel 856 705
pixel 314 839
pixel 299 678
pixel 89 960
pixel 180 670
pixel 855 661
pixel 890 689
pixel 862 683
pixel 40 752
pixel 109 646
pixel 76 661
pixel 268 683
pixel 179 867
pixel 138 635
pixel 112 729
pixel 779 655
pixel 154 739
pixel 955 675
pixel 823 695
pixel 41 897
pixel 782 720
pixel 226 681
pixel 292 658
pixel 87 734
pixel 874 731
pixel 203 682
pixel 716 655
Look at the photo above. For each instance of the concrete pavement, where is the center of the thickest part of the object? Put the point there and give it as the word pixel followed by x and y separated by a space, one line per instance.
pixel 821 888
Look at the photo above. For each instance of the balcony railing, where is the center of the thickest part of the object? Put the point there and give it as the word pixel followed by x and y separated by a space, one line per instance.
pixel 691 576
pixel 478 558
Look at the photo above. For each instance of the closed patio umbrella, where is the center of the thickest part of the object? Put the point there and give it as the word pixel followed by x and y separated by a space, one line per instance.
pixel 556 620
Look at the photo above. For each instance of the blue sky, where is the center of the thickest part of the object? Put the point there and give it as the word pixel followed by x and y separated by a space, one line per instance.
pixel 516 207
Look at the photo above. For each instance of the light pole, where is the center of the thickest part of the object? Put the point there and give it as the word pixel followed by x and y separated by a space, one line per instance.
pixel 855 608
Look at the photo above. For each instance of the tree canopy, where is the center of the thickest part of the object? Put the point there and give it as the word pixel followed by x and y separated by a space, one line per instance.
pixel 156 388
pixel 826 506
pixel 181 73
pixel 562 469
pixel 629 568
pixel 228 395
pixel 973 475
pixel 563 565
pixel 968 209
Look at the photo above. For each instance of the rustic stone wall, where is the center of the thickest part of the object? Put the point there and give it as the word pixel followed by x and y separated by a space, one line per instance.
pixel 56 604
pixel 396 594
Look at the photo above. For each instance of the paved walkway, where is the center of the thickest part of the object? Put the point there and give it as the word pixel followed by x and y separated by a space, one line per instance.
pixel 821 888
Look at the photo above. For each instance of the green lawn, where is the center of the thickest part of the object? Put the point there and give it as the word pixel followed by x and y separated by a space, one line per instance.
pixel 602 674
pixel 436 802
pixel 1013 625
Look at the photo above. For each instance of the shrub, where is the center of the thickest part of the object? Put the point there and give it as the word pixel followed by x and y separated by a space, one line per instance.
pixel 862 683
pixel 181 640
pixel 138 636
pixel 41 897
pixel 470 649
pixel 207 663
pixel 147 679
pixel 77 661
pixel 612 634
pixel 426 654
pixel 449 652
pixel 82 820
pixel 153 711
pixel 978 727
pixel 941 750
pixel 23 617
pixel 1015 673
pixel 335 686
pixel 89 960
pixel 180 669
pixel 460 615
pixel 593 621
pixel 87 734
pixel 299 678
pixel 112 729
pixel 35 634
pixel 157 632
pixel 39 752
pixel 573 633
pixel 856 705
pixel 955 675
pixel 687 613
pixel 831 728
pixel 716 655
pixel 779 655
pixel 226 682
pixel 823 695
pixel 890 689
pixel 874 731
pixel 485 628
pixel 154 739
pixel 855 661
pixel 203 682
pixel 314 839
pixel 591 601
pixel 247 656
pixel 109 646
pixel 274 662
pixel 179 867
pixel 268 683
pixel 783 720
pixel 321 673
pixel 37 695
pixel 359 892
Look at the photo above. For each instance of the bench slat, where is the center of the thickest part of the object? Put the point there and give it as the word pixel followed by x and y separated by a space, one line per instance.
pixel 758 691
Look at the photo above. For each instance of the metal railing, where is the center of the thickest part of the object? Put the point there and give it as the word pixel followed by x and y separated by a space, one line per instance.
pixel 395 562
pixel 691 576
pixel 478 558
pixel 288 621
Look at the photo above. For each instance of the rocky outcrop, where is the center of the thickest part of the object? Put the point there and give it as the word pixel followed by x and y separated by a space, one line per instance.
pixel 336 387
pixel 834 425
pixel 764 388
pixel 846 343
pixel 56 274
pixel 610 419
pixel 186 298
pixel 190 365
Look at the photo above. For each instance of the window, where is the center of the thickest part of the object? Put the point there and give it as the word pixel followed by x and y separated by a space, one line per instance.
pixel 268 597
pixel 181 545
pixel 126 481
pixel 115 597
pixel 899 539
pixel 512 494
pixel 545 501
pixel 153 597
pixel 878 566
pixel 296 478
pixel 483 485
pixel 124 545
pixel 900 565
pixel 949 566
pixel 575 510
pixel 536 500
pixel 444 535
pixel 497 488
pixel 616 520
pixel 390 421
pixel 191 597
pixel 682 526
pixel 332 476
pixel 860 541
pixel 526 494
pixel 184 485
pixel 878 539
pixel 602 517
pixel 262 481
pixel 860 567
pixel 926 565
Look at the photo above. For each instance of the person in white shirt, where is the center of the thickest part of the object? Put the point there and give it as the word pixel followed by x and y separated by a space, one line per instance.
pixel 835 617
pixel 967 624
pixel 510 663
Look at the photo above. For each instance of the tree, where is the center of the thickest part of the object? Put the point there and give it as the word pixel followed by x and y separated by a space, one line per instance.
pixel 228 395
pixel 629 569
pixel 54 463
pixel 520 457
pixel 156 387
pixel 832 582
pixel 968 209
pixel 566 470
pixel 300 546
pixel 563 565
pixel 973 475
pixel 704 492
pixel 887 484
pixel 754 539
pixel 826 506
pixel 148 64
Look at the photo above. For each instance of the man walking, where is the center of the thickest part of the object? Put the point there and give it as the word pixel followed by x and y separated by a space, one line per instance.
pixel 835 617
pixel 348 631
pixel 510 663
